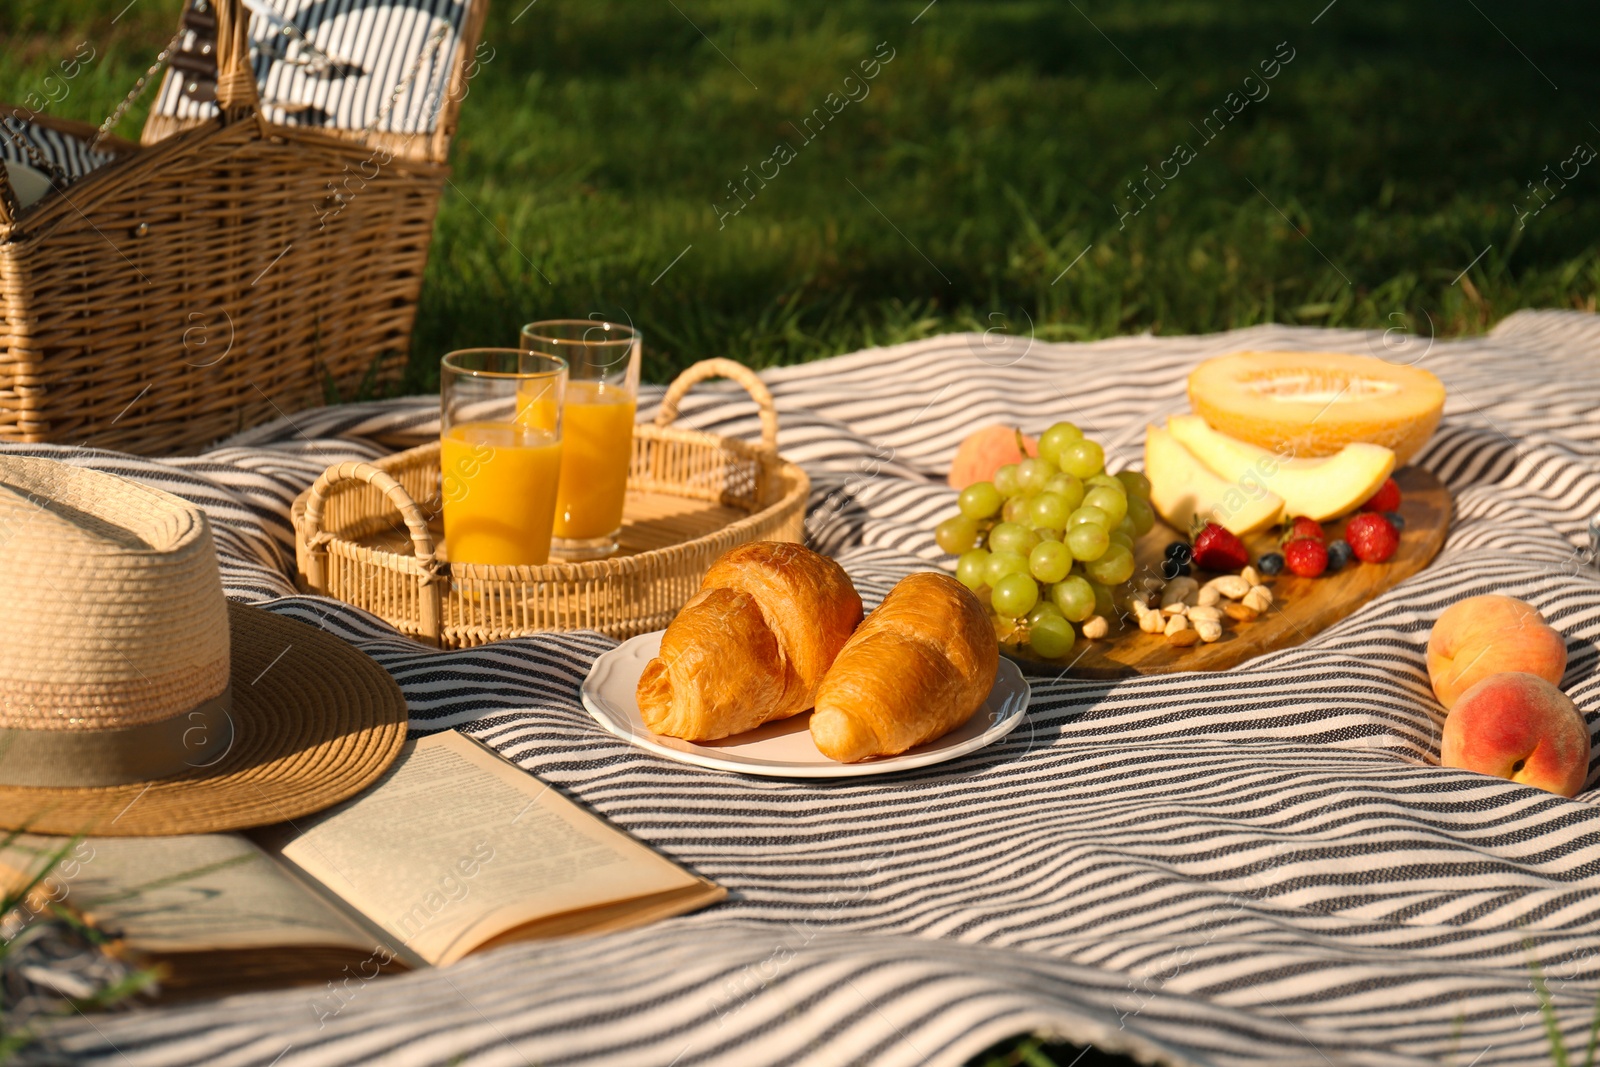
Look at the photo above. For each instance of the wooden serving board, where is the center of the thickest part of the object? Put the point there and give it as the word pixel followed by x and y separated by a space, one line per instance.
pixel 1300 608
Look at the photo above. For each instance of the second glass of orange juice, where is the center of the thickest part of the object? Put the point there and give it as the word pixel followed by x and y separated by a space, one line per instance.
pixel 500 454
pixel 597 444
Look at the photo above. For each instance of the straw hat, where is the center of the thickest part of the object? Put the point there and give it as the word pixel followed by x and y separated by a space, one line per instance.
pixel 135 699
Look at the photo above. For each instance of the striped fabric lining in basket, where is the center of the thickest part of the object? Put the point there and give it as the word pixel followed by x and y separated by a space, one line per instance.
pixel 69 155
pixel 379 42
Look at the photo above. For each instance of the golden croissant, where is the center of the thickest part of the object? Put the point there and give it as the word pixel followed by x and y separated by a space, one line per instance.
pixel 918 668
pixel 753 644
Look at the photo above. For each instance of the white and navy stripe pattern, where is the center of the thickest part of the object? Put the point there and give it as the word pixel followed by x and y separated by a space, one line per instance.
pixel 381 39
pixel 30 143
pixel 1263 867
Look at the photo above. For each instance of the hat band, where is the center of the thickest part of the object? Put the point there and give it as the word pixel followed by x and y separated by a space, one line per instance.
pixel 87 759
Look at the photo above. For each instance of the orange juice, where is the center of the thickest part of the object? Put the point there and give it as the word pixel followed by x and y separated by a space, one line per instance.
pixel 500 482
pixel 598 426
pixel 597 430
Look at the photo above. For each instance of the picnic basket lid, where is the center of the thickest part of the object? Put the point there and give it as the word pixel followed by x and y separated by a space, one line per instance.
pixel 136 700
pixel 387 74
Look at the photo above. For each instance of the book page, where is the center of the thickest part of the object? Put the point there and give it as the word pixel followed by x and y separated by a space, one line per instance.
pixel 187 894
pixel 455 846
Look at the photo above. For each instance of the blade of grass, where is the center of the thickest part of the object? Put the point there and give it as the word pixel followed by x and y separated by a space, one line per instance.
pixel 20 896
pixel 1594 1035
pixel 1547 1012
pixel 15 1038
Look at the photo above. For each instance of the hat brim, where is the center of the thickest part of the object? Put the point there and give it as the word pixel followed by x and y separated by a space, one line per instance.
pixel 314 722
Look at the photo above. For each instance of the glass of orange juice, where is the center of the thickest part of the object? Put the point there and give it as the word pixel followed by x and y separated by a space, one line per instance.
pixel 500 454
pixel 601 398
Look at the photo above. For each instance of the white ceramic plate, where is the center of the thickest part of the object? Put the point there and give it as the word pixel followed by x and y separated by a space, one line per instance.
pixel 782 749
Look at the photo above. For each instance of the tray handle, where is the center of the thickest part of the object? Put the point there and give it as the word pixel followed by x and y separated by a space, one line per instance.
pixel 416 524
pixel 723 368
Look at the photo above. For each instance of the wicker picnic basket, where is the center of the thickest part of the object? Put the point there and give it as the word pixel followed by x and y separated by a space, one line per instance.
pixel 226 271
pixel 368 534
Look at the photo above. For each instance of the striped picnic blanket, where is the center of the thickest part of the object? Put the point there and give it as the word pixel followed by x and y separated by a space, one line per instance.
pixel 1259 867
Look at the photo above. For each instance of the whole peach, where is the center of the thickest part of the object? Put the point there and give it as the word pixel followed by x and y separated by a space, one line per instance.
pixel 985 451
pixel 1518 726
pixel 1486 635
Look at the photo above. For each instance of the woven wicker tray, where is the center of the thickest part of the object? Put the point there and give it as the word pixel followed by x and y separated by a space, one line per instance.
pixel 371 534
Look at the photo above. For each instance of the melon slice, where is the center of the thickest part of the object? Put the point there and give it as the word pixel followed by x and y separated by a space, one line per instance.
pixel 1181 487
pixel 1315 403
pixel 1319 488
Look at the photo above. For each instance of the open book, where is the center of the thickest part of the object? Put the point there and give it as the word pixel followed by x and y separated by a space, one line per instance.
pixel 452 851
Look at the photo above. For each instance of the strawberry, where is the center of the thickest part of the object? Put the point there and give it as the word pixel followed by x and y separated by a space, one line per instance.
pixel 1372 537
pixel 1303 527
pixel 1387 498
pixel 1306 557
pixel 1217 549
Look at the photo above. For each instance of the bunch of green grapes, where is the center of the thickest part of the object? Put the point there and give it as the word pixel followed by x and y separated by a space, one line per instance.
pixel 1050 538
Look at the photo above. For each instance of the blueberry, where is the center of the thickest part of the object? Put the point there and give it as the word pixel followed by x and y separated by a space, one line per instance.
pixel 1180 550
pixel 1395 519
pixel 1339 553
pixel 1174 568
pixel 1271 563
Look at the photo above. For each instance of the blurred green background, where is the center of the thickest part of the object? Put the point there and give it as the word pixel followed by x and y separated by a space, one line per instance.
pixel 989 155
pixel 980 184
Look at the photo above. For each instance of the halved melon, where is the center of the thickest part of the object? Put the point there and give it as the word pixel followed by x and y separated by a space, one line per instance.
pixel 1320 488
pixel 1181 487
pixel 1315 403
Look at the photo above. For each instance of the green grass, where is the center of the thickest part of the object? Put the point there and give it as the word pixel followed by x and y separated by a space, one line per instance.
pixel 20 905
pixel 1035 1052
pixel 596 141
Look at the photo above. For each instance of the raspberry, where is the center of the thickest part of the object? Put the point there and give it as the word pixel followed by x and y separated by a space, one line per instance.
pixel 1217 549
pixel 1372 537
pixel 1387 498
pixel 1303 528
pixel 1306 557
